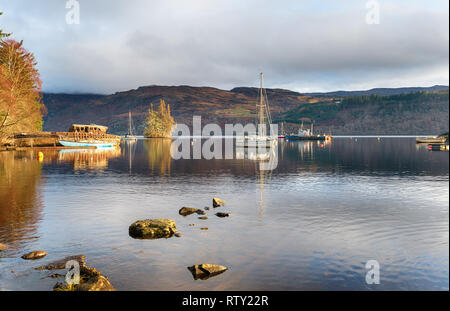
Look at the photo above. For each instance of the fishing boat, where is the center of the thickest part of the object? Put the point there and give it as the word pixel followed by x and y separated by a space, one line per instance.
pixel 306 134
pixel 260 139
pixel 130 136
pixel 92 135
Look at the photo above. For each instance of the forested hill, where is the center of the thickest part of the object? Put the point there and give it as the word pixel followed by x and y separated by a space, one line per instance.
pixel 410 112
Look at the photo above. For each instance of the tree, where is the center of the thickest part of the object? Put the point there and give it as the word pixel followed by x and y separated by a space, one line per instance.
pixel 21 108
pixel 159 122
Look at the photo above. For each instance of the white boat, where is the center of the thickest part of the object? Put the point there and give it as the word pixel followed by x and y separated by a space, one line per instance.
pixel 130 135
pixel 260 139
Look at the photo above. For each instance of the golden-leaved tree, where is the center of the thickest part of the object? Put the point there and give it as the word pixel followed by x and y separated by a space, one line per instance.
pixel 21 107
pixel 159 122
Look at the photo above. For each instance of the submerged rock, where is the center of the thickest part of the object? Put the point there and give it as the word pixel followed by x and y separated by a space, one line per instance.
pixel 223 214
pixel 61 264
pixel 90 280
pixel 185 211
pixel 203 217
pixel 218 202
pixel 205 271
pixel 204 228
pixel 152 229
pixel 3 247
pixel 178 235
pixel 34 255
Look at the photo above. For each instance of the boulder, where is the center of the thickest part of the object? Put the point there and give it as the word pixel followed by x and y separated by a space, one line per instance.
pixel 205 271
pixel 90 280
pixel 185 211
pixel 61 264
pixel 34 255
pixel 218 202
pixel 223 214
pixel 178 235
pixel 203 217
pixel 152 229
pixel 3 247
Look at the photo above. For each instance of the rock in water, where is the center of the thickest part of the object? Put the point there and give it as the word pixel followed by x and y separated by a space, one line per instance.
pixel 223 214
pixel 3 247
pixel 152 229
pixel 34 255
pixel 61 264
pixel 218 202
pixel 90 280
pixel 178 235
pixel 203 217
pixel 185 211
pixel 205 271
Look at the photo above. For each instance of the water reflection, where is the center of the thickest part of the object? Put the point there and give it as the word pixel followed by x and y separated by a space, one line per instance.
pixel 92 159
pixel 20 200
pixel 159 158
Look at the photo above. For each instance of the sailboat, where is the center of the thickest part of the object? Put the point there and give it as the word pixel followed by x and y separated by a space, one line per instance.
pixel 260 140
pixel 282 133
pixel 130 135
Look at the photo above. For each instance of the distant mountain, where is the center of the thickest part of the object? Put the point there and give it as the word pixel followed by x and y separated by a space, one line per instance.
pixel 239 106
pixel 384 91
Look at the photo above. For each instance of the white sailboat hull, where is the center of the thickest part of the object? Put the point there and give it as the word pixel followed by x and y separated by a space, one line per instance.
pixel 256 142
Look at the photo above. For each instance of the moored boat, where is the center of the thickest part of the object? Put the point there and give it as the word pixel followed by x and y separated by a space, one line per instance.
pixel 130 136
pixel 259 139
pixel 92 135
pixel 431 140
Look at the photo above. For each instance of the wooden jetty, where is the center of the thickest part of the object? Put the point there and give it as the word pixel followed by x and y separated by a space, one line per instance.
pixel 79 135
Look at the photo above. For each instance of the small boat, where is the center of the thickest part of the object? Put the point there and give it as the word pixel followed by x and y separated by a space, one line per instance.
pixel 306 134
pixel 92 135
pixel 431 140
pixel 282 133
pixel 130 135
pixel 86 144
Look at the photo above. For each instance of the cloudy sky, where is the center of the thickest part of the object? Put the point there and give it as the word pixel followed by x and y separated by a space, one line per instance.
pixel 300 45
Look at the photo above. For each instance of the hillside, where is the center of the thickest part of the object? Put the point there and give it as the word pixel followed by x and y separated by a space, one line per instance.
pixel 410 112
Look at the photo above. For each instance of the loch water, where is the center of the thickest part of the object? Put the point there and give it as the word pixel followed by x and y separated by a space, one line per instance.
pixel 311 223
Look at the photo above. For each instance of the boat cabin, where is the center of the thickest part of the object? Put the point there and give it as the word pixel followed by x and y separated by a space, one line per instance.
pixel 91 128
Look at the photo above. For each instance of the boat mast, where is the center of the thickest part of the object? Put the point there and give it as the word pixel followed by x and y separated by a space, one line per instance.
pixel 261 127
pixel 130 130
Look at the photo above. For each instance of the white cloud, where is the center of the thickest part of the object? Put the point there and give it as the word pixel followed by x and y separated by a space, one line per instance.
pixel 305 46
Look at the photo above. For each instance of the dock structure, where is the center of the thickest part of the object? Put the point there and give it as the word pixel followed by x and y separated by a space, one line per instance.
pixel 76 133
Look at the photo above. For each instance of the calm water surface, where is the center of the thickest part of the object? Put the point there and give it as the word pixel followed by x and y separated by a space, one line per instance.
pixel 310 224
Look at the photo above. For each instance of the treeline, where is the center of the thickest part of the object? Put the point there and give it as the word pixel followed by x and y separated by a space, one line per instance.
pixel 405 100
pixel 365 106
pixel 21 107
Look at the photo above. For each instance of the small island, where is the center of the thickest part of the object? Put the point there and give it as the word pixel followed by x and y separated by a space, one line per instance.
pixel 159 122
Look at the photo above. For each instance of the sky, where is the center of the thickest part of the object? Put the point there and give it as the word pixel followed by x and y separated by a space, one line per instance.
pixel 305 46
